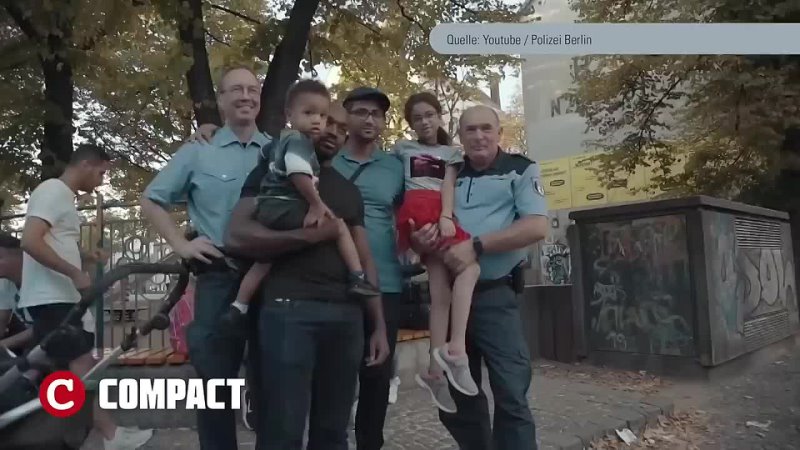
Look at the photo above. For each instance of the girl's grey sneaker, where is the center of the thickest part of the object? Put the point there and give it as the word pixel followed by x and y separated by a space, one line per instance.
pixel 440 392
pixel 394 385
pixel 248 413
pixel 128 439
pixel 457 370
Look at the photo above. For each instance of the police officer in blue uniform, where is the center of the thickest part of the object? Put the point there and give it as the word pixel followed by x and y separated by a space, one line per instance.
pixel 209 177
pixel 500 202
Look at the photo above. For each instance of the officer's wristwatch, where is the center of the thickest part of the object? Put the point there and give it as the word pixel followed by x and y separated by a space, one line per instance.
pixel 477 245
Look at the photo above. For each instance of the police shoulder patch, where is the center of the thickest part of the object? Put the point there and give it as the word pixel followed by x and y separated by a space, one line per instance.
pixel 537 186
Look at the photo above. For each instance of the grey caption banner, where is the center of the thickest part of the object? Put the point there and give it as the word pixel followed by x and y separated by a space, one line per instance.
pixel 616 38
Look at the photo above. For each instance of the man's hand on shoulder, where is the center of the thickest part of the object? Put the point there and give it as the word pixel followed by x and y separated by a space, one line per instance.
pixel 204 134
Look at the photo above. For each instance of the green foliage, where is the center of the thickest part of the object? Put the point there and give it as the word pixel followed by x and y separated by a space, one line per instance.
pixel 722 117
pixel 395 55
pixel 129 71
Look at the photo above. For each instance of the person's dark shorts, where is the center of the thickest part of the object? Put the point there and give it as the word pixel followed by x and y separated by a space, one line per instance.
pixel 47 318
pixel 281 214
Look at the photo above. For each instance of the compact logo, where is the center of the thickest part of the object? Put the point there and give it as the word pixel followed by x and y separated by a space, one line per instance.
pixel 166 393
pixel 63 394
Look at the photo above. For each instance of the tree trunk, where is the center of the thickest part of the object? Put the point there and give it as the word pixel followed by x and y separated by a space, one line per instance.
pixel 58 94
pixel 58 85
pixel 191 31
pixel 285 65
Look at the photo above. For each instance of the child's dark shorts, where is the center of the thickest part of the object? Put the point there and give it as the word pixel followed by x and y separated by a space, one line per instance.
pixel 280 213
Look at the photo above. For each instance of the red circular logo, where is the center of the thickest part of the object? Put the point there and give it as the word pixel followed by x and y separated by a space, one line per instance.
pixel 62 394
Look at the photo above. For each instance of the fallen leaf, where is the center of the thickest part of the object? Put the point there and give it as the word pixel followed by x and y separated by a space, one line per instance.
pixel 760 425
pixel 748 397
pixel 626 435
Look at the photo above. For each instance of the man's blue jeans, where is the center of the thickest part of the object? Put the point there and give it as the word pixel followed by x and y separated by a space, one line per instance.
pixel 214 355
pixel 495 335
pixel 310 352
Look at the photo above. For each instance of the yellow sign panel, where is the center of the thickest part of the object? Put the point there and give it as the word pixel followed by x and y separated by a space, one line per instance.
pixel 587 190
pixel 628 187
pixel 557 184
pixel 571 183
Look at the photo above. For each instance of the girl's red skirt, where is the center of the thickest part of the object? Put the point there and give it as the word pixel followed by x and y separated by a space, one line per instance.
pixel 423 207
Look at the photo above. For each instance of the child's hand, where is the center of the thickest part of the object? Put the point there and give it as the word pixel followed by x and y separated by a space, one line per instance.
pixel 447 227
pixel 316 215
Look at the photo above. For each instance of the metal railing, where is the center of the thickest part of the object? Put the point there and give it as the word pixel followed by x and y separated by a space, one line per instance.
pixel 134 298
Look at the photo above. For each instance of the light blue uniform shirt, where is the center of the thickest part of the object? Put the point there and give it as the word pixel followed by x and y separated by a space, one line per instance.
pixel 491 200
pixel 381 186
pixel 209 177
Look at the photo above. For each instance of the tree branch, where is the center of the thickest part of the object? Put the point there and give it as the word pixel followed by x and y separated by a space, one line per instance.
pixel 284 66
pixel 405 14
pixel 353 16
pixel 464 7
pixel 216 39
pixel 22 22
pixel 236 13
pixel 656 105
pixel 90 43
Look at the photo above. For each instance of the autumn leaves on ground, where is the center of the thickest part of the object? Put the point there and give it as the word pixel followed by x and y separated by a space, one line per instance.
pixel 754 406
pixel 684 429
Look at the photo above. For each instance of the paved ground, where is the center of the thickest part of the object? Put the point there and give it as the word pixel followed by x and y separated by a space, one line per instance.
pixel 575 404
pixel 768 394
pixel 570 409
pixel 715 414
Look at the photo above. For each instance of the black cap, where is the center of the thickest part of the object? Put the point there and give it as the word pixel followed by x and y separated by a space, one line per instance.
pixel 368 93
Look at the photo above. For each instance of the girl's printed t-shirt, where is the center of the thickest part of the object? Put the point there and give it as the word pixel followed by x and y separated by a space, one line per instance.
pixel 424 165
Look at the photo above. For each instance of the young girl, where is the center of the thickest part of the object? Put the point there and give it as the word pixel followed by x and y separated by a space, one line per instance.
pixel 431 166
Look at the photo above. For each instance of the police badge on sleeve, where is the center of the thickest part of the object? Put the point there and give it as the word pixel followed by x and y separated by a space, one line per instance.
pixel 538 187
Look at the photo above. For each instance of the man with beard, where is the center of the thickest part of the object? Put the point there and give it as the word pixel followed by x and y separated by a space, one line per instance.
pixel 379 177
pixel 310 334
pixel 209 177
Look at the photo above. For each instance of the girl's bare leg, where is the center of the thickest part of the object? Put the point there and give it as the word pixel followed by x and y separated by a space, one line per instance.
pixel 463 288
pixel 439 283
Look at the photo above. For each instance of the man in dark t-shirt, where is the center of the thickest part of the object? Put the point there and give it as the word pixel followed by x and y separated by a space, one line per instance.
pixel 310 334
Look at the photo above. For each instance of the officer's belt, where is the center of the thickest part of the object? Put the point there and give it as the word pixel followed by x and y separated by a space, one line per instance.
pixel 485 285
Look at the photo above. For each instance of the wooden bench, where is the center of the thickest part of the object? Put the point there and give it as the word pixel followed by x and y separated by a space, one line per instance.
pixel 160 357
pixel 411 335
pixel 150 357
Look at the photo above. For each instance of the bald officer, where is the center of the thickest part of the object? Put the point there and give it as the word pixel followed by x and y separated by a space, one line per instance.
pixel 499 201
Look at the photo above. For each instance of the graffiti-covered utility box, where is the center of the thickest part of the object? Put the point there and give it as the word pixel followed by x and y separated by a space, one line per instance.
pixel 695 277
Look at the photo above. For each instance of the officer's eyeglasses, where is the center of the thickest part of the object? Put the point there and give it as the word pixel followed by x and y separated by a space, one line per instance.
pixel 240 90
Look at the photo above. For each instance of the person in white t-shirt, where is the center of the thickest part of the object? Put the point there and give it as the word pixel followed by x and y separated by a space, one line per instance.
pixel 14 335
pixel 52 273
